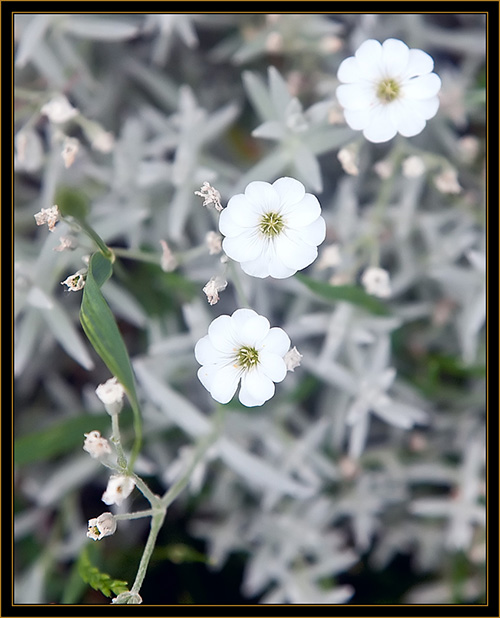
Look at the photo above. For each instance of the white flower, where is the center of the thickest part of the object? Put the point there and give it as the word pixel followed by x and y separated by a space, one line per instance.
pixel 376 281
pixel 50 216
pixel 388 89
pixel 273 229
pixel 111 394
pixel 213 287
pixel 74 282
pixel 59 110
pixel 99 527
pixel 242 347
pixel 95 445
pixel 119 488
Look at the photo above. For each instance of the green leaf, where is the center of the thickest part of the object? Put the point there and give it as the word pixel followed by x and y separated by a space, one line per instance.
pixel 72 203
pixel 99 581
pixel 102 331
pixel 349 293
pixel 61 438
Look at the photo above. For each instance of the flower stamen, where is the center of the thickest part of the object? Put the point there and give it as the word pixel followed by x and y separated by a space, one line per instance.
pixel 247 357
pixel 388 90
pixel 271 224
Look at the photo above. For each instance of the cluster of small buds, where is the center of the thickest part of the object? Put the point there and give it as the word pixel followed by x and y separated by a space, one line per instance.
pixel 59 110
pixel 70 148
pixel 168 260
pixel 447 181
pixel 50 216
pixel 213 242
pixel 292 359
pixel 75 282
pixel 213 287
pixel 119 488
pixel 111 394
pixel 413 167
pixel 95 445
pixel 99 527
pixel 210 196
pixel 376 281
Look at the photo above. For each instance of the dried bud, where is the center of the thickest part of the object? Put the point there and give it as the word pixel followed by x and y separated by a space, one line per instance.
pixel 292 359
pixel 214 243
pixel 111 394
pixel 210 195
pixel 95 445
pixel 168 260
pixel 119 487
pixel 213 287
pixel 50 216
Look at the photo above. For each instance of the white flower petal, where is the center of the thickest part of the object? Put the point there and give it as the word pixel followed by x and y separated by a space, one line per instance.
pixel 242 248
pixel 277 342
pixel 419 63
pixel 240 211
pixel 205 352
pixel 406 121
pixel 369 56
pixel 290 192
pixel 348 71
pixel 224 383
pixel 360 95
pixel 278 270
pixel 381 127
pixel 313 234
pixel 273 366
pixel 358 119
pixel 395 56
pixel 423 87
pixel 302 213
pixel 254 330
pixel 219 332
pixel 426 108
pixel 256 388
pixel 263 196
pixel 294 253
pixel 206 375
pixel 240 316
pixel 258 267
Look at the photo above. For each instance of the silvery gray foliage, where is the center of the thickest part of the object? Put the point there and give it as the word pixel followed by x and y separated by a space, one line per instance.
pixel 375 445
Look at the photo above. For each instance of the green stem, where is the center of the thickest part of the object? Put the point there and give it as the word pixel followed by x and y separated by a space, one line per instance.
pixel 104 249
pixel 240 293
pixel 140 256
pixel 116 438
pixel 156 524
pixel 136 515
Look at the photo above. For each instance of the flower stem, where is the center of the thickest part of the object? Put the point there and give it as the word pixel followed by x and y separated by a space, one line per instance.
pixel 103 248
pixel 122 460
pixel 240 293
pixel 156 524
pixel 136 515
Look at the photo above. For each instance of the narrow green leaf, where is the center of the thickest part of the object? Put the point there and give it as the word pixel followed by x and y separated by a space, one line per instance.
pixel 63 437
pixel 349 293
pixel 72 203
pixel 102 331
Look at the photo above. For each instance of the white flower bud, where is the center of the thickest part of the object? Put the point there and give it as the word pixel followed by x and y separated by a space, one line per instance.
pixel 413 167
pixel 119 487
pixel 168 260
pixel 59 110
pixel 95 445
pixel 292 359
pixel 111 394
pixel 376 281
pixel 213 287
pixel 99 527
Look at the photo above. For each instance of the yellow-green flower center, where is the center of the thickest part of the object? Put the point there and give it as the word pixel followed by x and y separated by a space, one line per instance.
pixel 271 224
pixel 388 90
pixel 247 357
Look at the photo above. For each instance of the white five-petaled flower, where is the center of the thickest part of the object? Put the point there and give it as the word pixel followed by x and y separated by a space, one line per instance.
pixel 119 487
pixel 111 394
pixel 273 230
pixel 99 527
pixel 74 282
pixel 388 89
pixel 242 347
